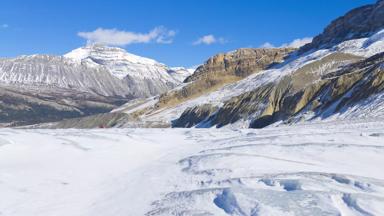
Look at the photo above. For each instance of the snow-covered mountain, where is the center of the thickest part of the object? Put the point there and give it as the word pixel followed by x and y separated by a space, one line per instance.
pixel 145 77
pixel 59 72
pixel 105 74
pixel 120 63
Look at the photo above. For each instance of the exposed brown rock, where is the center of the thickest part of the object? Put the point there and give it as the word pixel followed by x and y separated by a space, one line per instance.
pixel 240 63
pixel 358 23
pixel 223 69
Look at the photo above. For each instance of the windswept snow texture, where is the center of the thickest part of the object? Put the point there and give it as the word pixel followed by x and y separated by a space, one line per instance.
pixel 332 168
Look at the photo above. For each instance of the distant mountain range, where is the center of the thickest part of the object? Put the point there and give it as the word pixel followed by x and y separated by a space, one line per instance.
pixel 88 80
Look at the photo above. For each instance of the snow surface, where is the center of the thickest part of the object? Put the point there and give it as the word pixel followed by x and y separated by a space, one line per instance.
pixel 331 168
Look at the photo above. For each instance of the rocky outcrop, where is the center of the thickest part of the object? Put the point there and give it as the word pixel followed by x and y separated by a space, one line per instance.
pixel 223 69
pixel 239 63
pixel 358 23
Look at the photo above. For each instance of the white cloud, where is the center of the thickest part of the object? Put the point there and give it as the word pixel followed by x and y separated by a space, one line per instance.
pixel 121 38
pixel 267 45
pixel 297 43
pixel 4 26
pixel 209 39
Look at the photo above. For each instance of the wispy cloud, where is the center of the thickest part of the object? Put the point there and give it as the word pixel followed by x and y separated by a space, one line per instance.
pixel 121 38
pixel 4 26
pixel 209 39
pixel 267 45
pixel 297 43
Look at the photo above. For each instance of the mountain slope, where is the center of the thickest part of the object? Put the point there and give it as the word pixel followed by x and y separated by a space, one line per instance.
pixel 327 96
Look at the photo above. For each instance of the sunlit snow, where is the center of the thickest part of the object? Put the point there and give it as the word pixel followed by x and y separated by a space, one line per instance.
pixel 332 168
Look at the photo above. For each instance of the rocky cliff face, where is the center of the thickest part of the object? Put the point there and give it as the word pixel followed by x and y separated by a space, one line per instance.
pixel 333 93
pixel 358 23
pixel 240 63
pixel 224 69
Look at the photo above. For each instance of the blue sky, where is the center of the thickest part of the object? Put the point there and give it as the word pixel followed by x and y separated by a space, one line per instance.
pixel 175 32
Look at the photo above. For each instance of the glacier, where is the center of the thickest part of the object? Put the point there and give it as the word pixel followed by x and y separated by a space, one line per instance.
pixel 317 168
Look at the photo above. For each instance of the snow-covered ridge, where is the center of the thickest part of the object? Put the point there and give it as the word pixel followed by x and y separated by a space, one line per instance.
pixel 120 63
pixel 101 69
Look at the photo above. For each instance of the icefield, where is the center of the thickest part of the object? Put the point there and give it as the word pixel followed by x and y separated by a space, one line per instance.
pixel 326 168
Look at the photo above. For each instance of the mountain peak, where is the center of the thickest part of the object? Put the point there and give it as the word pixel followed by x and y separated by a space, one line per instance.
pixel 357 23
pixel 99 53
